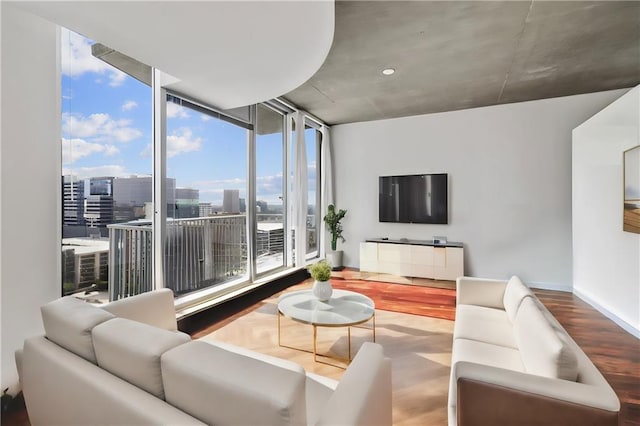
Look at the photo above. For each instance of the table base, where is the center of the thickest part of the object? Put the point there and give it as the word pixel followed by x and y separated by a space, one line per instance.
pixel 315 341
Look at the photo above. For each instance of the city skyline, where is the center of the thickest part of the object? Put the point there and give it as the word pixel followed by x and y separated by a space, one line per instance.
pixel 106 131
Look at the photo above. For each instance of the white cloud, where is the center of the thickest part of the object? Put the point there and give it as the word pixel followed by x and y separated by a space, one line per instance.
pixel 182 140
pixel 76 59
pixel 269 185
pixel 74 149
pixel 176 111
pixel 106 170
pixel 205 117
pixel 129 105
pixel 117 78
pixel 100 127
pixel 111 150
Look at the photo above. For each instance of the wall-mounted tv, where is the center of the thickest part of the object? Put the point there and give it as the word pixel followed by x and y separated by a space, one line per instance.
pixel 414 198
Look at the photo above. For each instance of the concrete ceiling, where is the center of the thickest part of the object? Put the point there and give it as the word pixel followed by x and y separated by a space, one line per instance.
pixel 455 55
pixel 224 53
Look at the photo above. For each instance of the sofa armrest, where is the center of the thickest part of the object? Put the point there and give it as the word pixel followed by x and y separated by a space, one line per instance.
pixel 363 395
pixel 490 395
pixel 480 292
pixel 155 308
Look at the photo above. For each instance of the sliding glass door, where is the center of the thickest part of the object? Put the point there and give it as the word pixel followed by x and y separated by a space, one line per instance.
pixel 205 192
pixel 270 197
pixel 314 215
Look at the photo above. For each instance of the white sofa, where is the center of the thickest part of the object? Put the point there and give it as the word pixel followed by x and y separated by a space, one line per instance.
pixel 127 364
pixel 513 363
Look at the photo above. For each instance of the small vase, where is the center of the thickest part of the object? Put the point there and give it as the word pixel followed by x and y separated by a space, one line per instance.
pixel 322 290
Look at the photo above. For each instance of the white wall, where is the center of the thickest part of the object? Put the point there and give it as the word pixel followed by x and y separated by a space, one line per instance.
pixel 30 179
pixel 606 260
pixel 509 172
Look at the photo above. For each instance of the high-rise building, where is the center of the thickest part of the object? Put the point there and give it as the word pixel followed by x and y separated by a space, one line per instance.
pixel 72 200
pixel 98 206
pixel 130 194
pixel 262 206
pixel 206 210
pixel 231 201
pixel 98 210
pixel 187 203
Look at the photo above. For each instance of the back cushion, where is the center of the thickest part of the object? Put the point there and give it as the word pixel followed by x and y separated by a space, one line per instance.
pixel 68 322
pixel 514 294
pixel 543 350
pixel 153 307
pixel 131 350
pixel 223 387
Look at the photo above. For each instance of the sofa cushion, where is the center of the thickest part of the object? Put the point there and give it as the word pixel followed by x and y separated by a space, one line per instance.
pixel 544 350
pixel 221 387
pixel 484 325
pixel 155 308
pixel 68 322
pixel 514 294
pixel 482 353
pixel 131 350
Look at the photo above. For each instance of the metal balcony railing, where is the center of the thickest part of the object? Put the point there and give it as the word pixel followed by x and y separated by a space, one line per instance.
pixel 199 252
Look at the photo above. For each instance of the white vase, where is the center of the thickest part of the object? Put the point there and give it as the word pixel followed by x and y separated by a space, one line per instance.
pixel 322 290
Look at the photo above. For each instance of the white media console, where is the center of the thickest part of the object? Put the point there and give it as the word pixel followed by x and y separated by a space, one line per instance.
pixel 413 258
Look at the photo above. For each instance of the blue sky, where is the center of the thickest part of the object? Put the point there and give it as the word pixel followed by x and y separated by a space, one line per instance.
pixel 106 131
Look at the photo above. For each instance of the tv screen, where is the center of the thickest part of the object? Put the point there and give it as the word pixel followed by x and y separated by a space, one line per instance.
pixel 414 199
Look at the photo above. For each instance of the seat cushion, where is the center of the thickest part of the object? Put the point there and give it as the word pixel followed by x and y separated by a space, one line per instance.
pixel 482 353
pixel 515 292
pixel 68 323
pixel 221 387
pixel 483 324
pixel 131 350
pixel 545 351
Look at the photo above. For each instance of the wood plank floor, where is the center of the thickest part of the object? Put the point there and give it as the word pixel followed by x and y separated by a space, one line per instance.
pixel 615 352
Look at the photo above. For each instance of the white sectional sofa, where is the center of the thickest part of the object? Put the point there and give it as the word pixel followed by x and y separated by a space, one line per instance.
pixel 514 364
pixel 127 364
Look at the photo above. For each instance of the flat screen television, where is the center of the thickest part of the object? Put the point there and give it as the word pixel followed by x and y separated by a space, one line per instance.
pixel 414 198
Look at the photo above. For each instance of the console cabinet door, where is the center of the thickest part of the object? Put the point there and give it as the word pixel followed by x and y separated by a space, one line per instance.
pixel 369 257
pixel 422 261
pixel 394 259
pixel 450 263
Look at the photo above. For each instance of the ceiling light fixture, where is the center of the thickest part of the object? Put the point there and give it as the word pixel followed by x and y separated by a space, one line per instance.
pixel 388 71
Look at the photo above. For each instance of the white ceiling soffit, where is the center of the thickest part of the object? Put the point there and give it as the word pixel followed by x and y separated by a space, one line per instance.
pixel 225 53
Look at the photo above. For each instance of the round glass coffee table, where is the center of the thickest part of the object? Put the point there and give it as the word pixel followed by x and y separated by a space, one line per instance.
pixel 344 309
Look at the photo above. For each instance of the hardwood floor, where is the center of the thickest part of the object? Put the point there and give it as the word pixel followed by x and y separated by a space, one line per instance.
pixel 615 352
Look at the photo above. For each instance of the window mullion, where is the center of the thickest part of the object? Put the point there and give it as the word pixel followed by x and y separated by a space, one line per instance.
pixel 159 101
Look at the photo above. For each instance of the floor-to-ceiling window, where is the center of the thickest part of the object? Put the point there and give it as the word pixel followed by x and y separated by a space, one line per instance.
pixel 270 195
pixel 226 212
pixel 311 188
pixel 106 129
pixel 206 193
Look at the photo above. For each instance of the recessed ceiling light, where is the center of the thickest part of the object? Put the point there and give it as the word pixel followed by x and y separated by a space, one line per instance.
pixel 388 71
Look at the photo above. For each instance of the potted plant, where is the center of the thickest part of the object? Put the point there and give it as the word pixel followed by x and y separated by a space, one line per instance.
pixel 321 273
pixel 332 219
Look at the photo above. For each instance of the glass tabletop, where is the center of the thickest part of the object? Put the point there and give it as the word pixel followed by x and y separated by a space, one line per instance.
pixel 343 309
